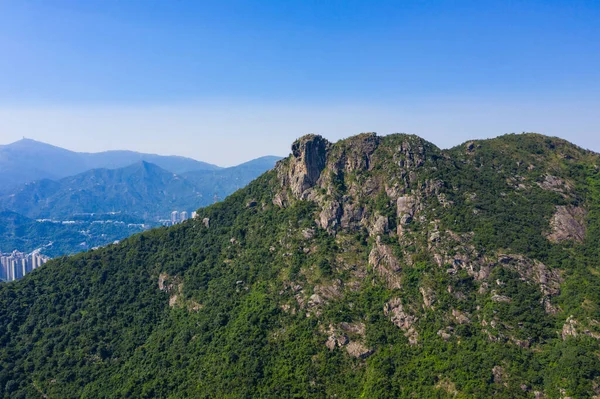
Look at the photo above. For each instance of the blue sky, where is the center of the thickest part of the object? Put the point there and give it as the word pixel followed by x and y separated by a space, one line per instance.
pixel 226 81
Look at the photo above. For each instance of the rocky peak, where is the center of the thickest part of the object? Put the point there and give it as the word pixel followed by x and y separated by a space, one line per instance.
pixel 309 155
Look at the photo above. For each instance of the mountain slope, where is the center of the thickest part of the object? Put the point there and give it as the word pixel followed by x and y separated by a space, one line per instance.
pixel 373 267
pixel 222 182
pixel 56 238
pixel 143 189
pixel 27 160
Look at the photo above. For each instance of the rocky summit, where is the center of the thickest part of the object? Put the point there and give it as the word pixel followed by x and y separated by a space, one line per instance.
pixel 374 267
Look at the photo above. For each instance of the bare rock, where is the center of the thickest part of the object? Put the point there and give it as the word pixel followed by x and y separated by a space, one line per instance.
pixel 446 333
pixel 162 279
pixel 380 226
pixel 501 298
pixel 354 328
pixel 448 386
pixel 428 296
pixel 352 216
pixel 499 374
pixel 206 222
pixel 405 321
pixel 569 328
pixel 358 350
pixel 568 223
pixel 386 264
pixel 549 281
pixel 308 233
pixel 330 215
pixel 315 300
pixel 329 292
pixel 461 318
pixel 406 208
pixel 309 155
pixel 359 150
pixel 556 184
pixel 280 200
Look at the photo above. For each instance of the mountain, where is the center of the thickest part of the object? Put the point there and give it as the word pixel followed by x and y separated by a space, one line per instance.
pixel 57 238
pixel 376 267
pixel 130 199
pixel 220 183
pixel 27 160
pixel 142 189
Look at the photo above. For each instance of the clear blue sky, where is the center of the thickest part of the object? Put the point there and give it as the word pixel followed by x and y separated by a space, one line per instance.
pixel 225 81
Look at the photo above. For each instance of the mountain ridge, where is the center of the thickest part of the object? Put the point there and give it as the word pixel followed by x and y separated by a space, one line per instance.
pixel 29 160
pixel 373 266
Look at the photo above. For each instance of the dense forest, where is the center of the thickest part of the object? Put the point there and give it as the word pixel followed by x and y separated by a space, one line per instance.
pixel 374 267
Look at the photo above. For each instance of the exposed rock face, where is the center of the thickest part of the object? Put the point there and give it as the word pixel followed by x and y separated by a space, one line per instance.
pixel 338 338
pixel 355 328
pixel 309 156
pixel 386 264
pixel 428 296
pixel 568 223
pixel 461 318
pixel 501 298
pixel 406 208
pixel 402 319
pixel 569 328
pixel 335 339
pixel 548 280
pixel 361 147
pixel 352 216
pixel 556 184
pixel 358 350
pixel 330 215
pixel 380 226
pixel 499 374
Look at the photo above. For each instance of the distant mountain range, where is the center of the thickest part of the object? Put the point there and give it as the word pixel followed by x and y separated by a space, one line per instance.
pixel 27 160
pixel 143 189
pixel 139 194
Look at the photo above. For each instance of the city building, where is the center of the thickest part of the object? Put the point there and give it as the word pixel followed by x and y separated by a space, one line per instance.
pixel 174 217
pixel 184 216
pixel 15 265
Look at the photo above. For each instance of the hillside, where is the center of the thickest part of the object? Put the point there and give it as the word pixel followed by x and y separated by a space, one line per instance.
pixel 28 160
pixel 128 199
pixel 56 238
pixel 375 267
pixel 142 189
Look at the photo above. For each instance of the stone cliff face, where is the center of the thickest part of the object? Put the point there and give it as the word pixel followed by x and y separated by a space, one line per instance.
pixel 309 155
pixel 389 189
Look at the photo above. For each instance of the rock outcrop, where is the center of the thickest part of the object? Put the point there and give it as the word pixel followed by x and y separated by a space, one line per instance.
pixel 405 321
pixel 386 264
pixel 309 156
pixel 568 223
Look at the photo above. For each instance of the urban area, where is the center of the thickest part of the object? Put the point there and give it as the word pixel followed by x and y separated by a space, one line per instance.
pixel 17 264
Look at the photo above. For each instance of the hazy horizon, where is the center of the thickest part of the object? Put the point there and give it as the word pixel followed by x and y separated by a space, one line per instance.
pixel 224 82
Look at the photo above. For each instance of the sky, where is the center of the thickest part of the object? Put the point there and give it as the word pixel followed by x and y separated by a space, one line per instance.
pixel 226 81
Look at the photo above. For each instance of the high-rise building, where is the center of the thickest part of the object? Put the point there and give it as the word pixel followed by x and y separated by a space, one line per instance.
pixel 17 264
pixel 174 217
pixel 184 216
pixel 194 214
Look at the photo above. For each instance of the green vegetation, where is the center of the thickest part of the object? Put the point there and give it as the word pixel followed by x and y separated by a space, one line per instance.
pixel 467 298
pixel 126 198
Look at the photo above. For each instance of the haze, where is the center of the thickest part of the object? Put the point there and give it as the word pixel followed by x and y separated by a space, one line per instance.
pixel 224 82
